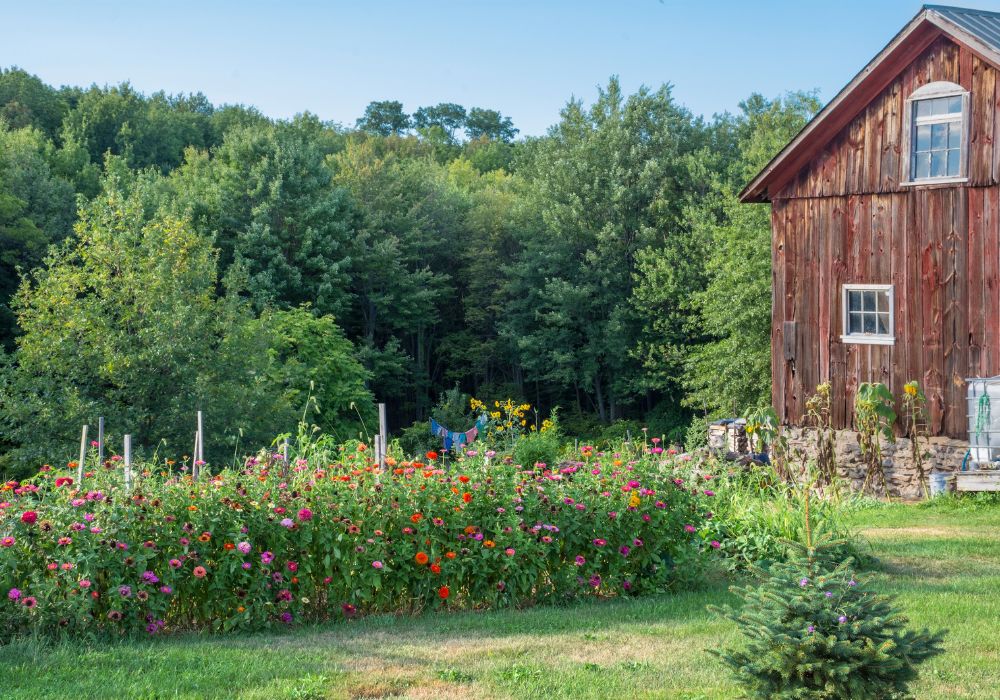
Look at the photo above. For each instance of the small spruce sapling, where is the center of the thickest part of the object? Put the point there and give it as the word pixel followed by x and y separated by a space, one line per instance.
pixel 815 631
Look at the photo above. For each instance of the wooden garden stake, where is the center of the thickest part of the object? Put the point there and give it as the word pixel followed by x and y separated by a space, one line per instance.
pixel 128 462
pixel 83 457
pixel 201 441
pixel 100 441
pixel 284 453
pixel 383 432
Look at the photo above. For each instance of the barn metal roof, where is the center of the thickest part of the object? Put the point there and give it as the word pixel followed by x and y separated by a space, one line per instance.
pixel 977 29
pixel 981 24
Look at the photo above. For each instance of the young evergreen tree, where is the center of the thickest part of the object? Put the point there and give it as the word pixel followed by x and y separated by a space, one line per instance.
pixel 816 631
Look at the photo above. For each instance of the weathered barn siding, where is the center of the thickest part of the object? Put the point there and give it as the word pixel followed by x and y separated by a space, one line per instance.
pixel 865 157
pixel 846 220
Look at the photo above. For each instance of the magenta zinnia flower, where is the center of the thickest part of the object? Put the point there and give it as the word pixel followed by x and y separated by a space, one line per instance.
pixel 305 514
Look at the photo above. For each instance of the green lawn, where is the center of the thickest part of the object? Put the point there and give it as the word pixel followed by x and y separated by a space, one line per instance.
pixel 942 561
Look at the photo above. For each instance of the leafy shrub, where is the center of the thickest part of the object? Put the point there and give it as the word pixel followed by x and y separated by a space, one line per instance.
pixel 329 535
pixel 815 631
pixel 757 517
pixel 543 447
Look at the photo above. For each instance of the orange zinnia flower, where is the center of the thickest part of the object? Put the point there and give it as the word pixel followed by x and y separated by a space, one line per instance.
pixel 489 543
pixel 443 593
pixel 467 497
pixel 229 546
pixel 421 558
pixel 450 555
pixel 464 479
pixel 416 517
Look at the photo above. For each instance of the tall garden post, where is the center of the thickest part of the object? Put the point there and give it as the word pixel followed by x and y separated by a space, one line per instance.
pixel 284 461
pixel 128 463
pixel 383 433
pixel 100 441
pixel 201 441
pixel 83 456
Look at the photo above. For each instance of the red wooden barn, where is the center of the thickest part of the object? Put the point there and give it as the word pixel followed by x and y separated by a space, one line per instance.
pixel 886 226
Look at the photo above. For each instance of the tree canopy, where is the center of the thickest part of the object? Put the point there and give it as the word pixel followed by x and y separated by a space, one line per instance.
pixel 171 253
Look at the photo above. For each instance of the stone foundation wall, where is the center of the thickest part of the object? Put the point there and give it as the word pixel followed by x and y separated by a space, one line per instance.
pixel 946 455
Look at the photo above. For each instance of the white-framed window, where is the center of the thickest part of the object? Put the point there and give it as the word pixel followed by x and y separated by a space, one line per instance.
pixel 936 127
pixel 868 312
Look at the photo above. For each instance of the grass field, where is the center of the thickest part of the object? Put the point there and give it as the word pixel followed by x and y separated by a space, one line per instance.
pixel 943 561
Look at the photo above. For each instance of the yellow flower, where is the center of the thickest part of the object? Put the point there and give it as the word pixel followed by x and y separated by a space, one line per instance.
pixel 634 501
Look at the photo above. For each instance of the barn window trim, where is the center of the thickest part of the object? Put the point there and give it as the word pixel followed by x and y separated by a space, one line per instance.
pixel 931 91
pixel 888 338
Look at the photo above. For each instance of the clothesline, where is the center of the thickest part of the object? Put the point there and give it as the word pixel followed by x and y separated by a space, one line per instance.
pixel 450 437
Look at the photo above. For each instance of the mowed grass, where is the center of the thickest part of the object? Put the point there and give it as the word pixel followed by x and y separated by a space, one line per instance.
pixel 942 561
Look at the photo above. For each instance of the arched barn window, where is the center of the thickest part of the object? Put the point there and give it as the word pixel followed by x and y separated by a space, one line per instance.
pixel 936 127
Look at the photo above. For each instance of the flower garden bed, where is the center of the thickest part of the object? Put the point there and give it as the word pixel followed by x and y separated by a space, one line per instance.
pixel 331 536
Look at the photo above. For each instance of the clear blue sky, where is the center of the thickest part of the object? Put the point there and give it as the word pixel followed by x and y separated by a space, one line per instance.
pixel 523 58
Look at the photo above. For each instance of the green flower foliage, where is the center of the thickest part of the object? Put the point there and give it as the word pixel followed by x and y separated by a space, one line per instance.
pixel 326 535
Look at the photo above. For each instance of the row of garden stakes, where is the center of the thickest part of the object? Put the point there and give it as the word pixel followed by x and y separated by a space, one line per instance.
pixel 198 458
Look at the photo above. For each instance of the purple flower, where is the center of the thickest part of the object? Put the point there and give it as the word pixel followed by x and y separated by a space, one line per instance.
pixel 842 619
pixel 287 522
pixel 595 581
pixel 246 566
pixel 150 577
pixel 244 547
pixel 600 542
pixel 624 550
pixel 166 590
pixel 811 629
pixel 580 561
pixel 804 582
pixel 14 593
pixel 125 591
pixel 626 586
pixel 266 557
pixel 828 594
pixel 286 617
pixel 852 583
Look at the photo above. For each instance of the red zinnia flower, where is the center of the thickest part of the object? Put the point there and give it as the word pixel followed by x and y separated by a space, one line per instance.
pixel 29 517
pixel 436 568
pixel 64 481
pixel 443 593
pixel 432 455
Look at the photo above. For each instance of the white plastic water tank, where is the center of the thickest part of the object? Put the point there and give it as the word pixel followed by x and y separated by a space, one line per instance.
pixel 984 419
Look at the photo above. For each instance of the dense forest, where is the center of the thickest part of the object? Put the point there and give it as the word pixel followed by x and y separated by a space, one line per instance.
pixel 160 253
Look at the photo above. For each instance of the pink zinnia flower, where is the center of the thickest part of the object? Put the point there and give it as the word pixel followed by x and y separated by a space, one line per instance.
pixel 305 514
pixel 715 544
pixel 377 564
pixel 689 528
pixel 7 542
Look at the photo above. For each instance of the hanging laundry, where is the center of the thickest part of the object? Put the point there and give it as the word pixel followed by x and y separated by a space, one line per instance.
pixel 451 438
